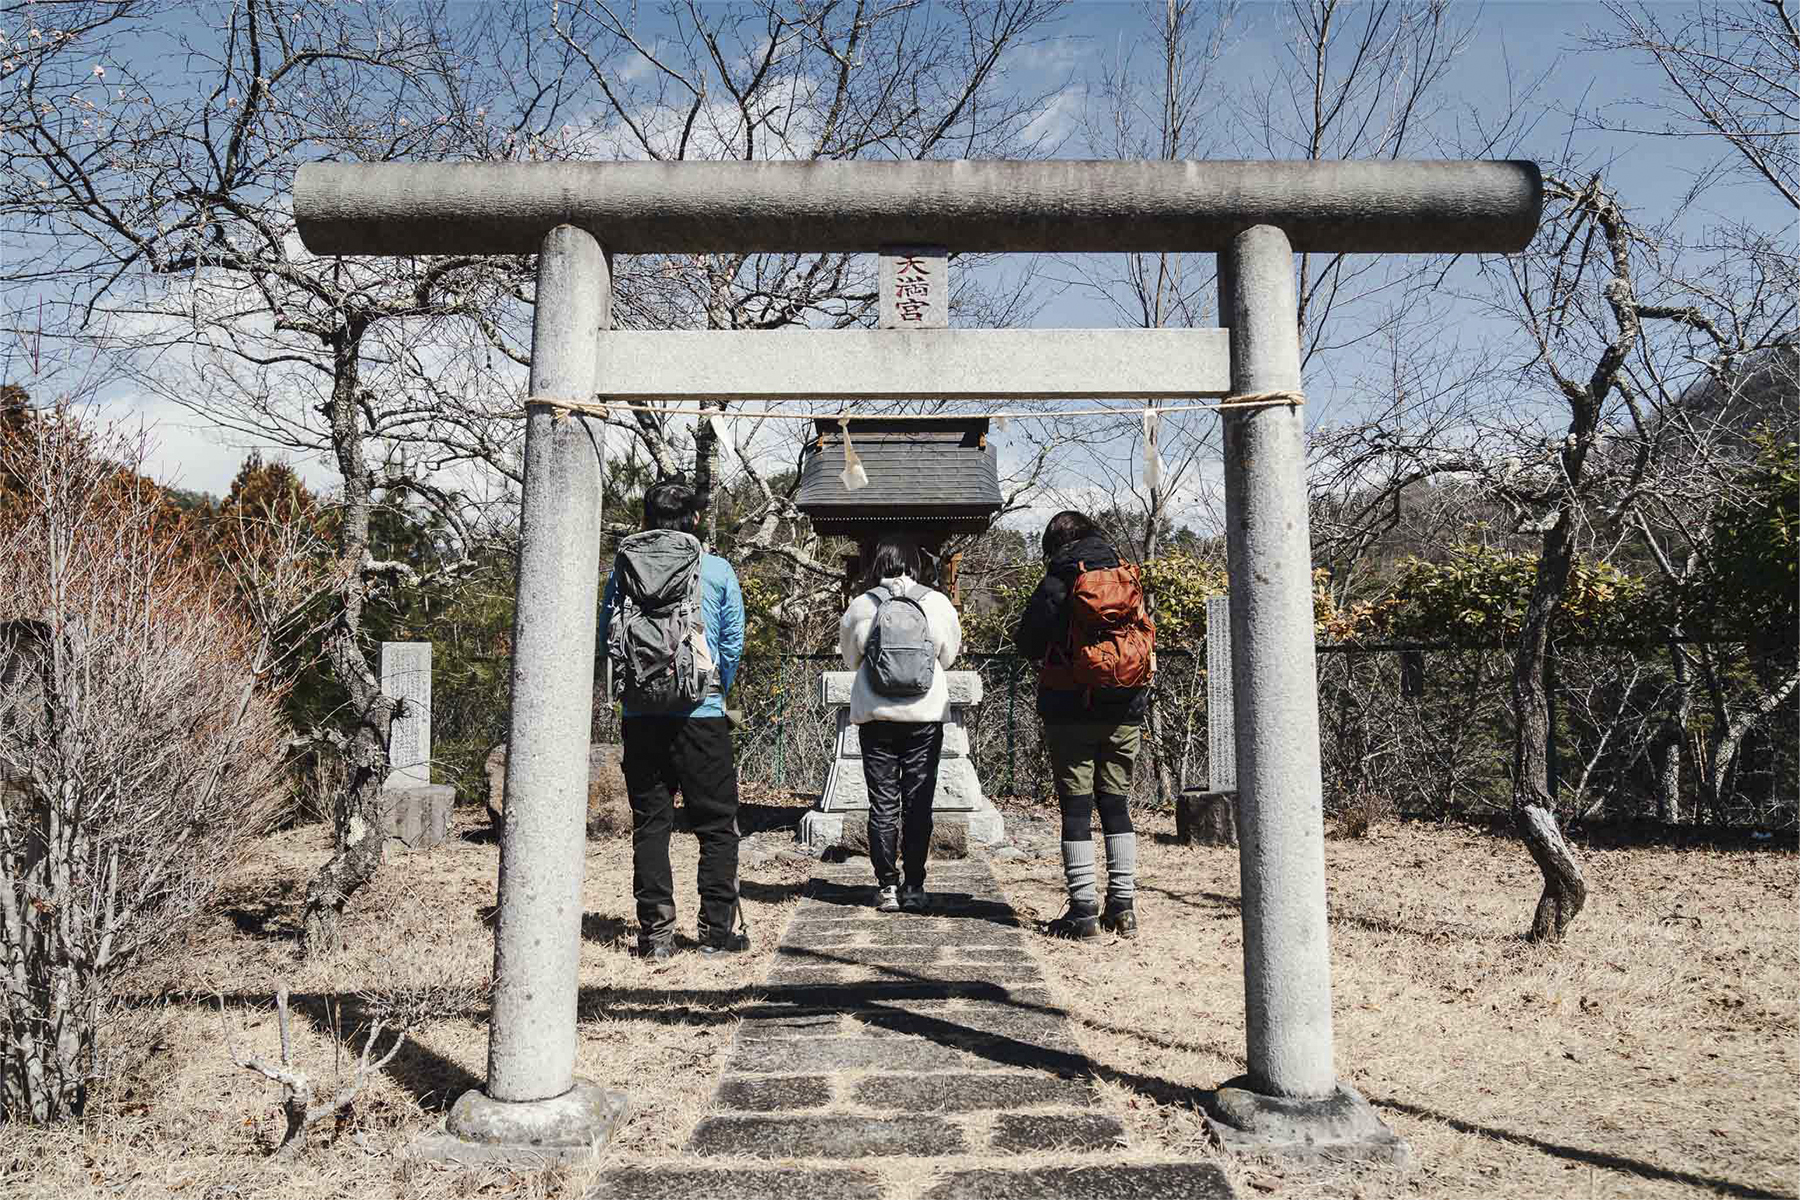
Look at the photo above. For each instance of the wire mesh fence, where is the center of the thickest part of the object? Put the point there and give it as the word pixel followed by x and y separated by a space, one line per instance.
pixel 1419 731
pixel 783 739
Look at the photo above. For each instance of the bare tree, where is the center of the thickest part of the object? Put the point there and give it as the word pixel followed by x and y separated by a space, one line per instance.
pixel 156 206
pixel 164 208
pixel 420 993
pixel 140 740
pixel 1731 72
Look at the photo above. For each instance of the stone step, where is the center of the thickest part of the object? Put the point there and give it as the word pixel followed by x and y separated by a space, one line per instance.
pixel 1122 1181
pixel 970 1092
pixel 711 1183
pixel 820 1056
pixel 830 1136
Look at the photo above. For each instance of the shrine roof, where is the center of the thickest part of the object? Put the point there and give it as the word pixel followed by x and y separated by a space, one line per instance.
pixel 940 470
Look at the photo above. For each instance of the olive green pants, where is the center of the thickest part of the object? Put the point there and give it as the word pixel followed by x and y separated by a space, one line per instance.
pixel 1092 757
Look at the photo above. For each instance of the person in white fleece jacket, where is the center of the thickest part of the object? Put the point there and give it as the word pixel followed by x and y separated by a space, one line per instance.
pixel 901 738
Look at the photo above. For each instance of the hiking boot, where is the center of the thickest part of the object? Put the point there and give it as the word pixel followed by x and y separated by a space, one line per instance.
pixel 724 940
pixel 1078 923
pixel 1120 919
pixel 912 899
pixel 887 899
pixel 656 948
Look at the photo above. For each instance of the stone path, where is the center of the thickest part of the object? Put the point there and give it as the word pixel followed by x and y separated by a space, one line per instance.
pixel 908 1057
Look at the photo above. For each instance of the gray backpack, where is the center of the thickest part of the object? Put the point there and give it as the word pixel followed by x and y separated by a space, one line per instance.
pixel 656 635
pixel 901 655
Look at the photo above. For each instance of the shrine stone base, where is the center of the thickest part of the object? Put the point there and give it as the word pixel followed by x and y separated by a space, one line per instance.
pixel 959 796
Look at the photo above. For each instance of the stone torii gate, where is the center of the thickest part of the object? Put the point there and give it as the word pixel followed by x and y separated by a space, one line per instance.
pixel 1254 215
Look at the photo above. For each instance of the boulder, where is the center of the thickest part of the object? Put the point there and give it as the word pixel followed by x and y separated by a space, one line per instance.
pixel 1204 818
pixel 608 809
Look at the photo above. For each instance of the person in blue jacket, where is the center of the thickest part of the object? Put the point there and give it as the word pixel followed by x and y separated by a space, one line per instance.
pixel 691 751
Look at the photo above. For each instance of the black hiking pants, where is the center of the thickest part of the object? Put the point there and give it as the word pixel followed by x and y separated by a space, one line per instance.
pixel 900 765
pixel 692 754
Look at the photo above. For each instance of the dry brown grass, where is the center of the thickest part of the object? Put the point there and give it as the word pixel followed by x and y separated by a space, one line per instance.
pixel 181 1120
pixel 1651 1055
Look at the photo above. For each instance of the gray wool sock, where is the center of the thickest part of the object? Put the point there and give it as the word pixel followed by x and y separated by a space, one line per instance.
pixel 1121 868
pixel 1078 870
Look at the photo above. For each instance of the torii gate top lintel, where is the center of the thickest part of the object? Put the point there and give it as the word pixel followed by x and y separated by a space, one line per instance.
pixel 975 206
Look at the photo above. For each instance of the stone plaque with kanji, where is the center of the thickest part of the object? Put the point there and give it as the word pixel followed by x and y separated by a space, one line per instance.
pixel 915 287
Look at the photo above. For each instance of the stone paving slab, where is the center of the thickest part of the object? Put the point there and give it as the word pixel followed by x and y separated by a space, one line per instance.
pixel 964 978
pixel 825 1055
pixel 1155 1181
pixel 836 1136
pixel 959 936
pixel 781 1024
pixel 970 1093
pixel 871 955
pixel 784 1183
pixel 1020 1133
pixel 842 991
pixel 775 1093
pixel 990 954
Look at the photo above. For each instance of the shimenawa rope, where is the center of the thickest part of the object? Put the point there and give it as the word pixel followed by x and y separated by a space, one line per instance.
pixel 1242 400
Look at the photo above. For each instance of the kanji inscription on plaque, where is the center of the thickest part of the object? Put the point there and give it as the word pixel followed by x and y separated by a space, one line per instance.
pixel 915 287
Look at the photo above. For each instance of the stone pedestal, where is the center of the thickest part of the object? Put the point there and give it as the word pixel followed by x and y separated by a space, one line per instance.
pixel 418 817
pixel 1204 818
pixel 959 796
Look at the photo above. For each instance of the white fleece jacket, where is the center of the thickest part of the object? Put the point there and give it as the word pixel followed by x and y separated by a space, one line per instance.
pixel 853 634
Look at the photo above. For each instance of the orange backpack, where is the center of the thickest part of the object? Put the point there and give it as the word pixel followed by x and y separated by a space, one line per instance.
pixel 1112 641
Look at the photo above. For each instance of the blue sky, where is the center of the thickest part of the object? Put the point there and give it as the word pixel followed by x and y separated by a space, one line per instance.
pixel 1514 43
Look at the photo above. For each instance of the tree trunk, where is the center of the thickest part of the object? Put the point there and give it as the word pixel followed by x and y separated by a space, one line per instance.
pixel 1166 786
pixel 1534 808
pixel 1565 891
pixel 1666 755
pixel 706 480
pixel 356 821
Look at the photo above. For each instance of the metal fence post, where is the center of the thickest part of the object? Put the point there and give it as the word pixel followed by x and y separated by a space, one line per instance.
pixel 1012 691
pixel 781 722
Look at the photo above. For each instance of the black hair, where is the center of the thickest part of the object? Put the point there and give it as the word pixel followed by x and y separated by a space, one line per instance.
pixel 1065 527
pixel 670 505
pixel 894 555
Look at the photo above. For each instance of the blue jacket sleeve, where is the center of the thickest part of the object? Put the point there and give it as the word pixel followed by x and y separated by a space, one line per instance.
pixel 731 628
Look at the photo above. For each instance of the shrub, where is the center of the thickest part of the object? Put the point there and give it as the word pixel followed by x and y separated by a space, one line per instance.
pixel 139 747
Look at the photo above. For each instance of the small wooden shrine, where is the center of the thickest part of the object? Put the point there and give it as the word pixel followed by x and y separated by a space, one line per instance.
pixel 931 477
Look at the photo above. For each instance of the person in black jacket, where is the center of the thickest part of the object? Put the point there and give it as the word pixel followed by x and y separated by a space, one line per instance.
pixel 1093 736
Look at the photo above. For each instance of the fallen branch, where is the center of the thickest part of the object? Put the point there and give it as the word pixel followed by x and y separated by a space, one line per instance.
pixel 297 1087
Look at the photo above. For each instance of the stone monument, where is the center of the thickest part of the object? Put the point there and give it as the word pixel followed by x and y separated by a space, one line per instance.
pixel 414 811
pixel 958 800
pixel 1208 815
pixel 1255 216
